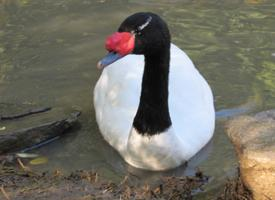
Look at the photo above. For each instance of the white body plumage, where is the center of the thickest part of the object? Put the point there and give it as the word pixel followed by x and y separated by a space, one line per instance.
pixel 116 100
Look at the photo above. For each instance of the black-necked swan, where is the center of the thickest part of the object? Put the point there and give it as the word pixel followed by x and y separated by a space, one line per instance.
pixel 151 103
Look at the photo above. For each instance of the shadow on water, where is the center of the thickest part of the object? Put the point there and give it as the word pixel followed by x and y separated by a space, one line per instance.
pixel 49 50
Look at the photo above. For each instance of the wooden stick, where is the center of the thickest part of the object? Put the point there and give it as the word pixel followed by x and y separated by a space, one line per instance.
pixel 4 193
pixel 20 115
pixel 26 169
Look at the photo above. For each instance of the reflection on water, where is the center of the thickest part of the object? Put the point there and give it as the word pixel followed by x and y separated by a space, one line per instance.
pixel 49 50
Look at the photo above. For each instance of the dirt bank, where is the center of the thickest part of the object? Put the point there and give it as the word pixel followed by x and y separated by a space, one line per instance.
pixel 18 182
pixel 21 184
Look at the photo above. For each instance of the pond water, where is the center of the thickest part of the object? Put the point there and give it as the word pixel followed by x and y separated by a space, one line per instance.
pixel 49 50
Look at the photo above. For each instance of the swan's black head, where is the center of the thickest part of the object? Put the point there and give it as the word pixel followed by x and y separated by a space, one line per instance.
pixel 151 32
pixel 140 33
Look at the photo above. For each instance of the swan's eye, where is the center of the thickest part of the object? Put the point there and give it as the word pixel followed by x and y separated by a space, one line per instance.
pixel 136 32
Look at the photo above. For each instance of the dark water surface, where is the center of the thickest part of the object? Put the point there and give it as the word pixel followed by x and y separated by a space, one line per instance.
pixel 49 50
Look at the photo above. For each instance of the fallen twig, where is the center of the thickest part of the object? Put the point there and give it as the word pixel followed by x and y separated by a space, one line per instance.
pixel 4 193
pixel 22 165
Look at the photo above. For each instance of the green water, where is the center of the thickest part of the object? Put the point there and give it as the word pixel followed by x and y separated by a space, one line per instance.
pixel 49 50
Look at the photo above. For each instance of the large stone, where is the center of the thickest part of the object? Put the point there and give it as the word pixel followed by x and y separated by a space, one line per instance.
pixel 254 140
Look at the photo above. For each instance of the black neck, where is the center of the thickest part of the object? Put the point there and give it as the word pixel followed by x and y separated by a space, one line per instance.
pixel 152 116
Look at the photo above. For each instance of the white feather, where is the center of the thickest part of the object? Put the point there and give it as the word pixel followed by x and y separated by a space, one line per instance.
pixel 116 99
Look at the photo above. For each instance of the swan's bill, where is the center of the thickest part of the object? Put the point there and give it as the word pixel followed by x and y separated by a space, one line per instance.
pixel 108 59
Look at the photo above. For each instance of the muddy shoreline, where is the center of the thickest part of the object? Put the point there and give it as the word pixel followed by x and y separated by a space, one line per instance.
pixel 20 182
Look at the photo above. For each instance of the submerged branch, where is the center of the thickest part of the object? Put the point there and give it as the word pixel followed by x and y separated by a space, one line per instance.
pixel 27 137
pixel 20 115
